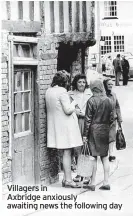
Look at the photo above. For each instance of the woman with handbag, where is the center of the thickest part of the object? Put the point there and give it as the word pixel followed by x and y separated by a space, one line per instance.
pixel 80 93
pixel 108 84
pixel 98 118
pixel 62 124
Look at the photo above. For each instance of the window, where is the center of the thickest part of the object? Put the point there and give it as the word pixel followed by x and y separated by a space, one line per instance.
pixel 24 50
pixel 118 43
pixel 107 44
pixel 110 9
pixel 22 100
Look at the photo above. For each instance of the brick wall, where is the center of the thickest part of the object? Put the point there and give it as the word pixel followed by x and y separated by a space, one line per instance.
pixel 47 67
pixel 6 162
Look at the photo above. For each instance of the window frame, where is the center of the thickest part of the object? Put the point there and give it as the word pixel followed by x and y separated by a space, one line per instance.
pixel 107 48
pixel 110 9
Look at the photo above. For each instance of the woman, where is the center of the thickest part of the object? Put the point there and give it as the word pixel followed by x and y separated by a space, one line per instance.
pixel 96 130
pixel 117 116
pixel 62 124
pixel 80 93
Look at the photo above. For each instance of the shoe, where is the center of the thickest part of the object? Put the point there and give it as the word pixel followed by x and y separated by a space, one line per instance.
pixel 89 187
pixel 70 184
pixel 78 178
pixel 105 187
pixel 112 158
pixel 86 181
pixel 63 183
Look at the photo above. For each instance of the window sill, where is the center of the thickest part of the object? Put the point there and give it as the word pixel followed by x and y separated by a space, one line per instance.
pixel 107 18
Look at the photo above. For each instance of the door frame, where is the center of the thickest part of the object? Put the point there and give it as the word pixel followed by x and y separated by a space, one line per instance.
pixel 12 62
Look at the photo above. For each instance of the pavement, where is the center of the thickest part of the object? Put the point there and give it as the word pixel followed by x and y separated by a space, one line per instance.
pixel 117 201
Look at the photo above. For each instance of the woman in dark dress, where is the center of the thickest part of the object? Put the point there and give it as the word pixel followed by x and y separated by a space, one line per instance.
pixel 98 118
pixel 108 84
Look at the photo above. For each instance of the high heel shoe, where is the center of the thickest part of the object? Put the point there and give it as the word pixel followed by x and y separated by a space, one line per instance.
pixel 70 184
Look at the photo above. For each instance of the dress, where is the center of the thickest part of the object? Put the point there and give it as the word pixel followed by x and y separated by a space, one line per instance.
pixel 98 118
pixel 62 123
pixel 81 99
pixel 117 116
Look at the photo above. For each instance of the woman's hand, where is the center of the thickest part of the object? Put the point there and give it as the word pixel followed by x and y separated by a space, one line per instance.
pixel 85 140
pixel 79 112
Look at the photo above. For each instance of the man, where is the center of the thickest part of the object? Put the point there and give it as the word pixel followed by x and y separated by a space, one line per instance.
pixel 125 68
pixel 118 69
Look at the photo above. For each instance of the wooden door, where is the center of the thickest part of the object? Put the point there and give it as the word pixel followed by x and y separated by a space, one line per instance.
pixel 23 117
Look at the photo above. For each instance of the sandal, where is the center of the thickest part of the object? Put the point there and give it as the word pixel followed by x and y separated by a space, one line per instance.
pixel 70 184
pixel 86 180
pixel 78 178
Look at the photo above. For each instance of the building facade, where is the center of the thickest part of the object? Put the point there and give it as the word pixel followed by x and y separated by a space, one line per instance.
pixel 37 39
pixel 114 28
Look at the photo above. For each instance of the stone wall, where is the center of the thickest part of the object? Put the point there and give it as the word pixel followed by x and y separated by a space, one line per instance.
pixel 6 162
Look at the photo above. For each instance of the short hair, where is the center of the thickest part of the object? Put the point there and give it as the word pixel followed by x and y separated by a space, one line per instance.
pixel 60 78
pixel 118 55
pixel 76 79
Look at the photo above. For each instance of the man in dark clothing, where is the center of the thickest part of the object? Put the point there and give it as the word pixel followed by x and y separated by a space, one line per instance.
pixel 125 68
pixel 117 68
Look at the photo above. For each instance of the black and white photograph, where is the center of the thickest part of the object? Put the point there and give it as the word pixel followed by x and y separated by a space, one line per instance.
pixel 66 108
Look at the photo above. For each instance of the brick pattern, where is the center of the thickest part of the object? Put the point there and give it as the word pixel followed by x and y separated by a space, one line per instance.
pixel 47 68
pixel 6 163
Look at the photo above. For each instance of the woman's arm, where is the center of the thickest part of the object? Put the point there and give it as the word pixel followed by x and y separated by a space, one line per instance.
pixel 118 111
pixel 88 118
pixel 68 107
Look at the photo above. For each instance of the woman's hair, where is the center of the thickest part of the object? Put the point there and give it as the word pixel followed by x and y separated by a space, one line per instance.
pixel 76 79
pixel 105 82
pixel 60 78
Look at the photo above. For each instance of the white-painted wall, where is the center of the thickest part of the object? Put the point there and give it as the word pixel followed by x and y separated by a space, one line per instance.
pixel 121 26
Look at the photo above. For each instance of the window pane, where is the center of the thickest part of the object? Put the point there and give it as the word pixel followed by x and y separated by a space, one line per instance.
pixel 15 52
pixel 17 123
pixel 26 120
pixel 17 102
pixel 26 100
pixel 18 81
pixel 26 50
pixel 26 86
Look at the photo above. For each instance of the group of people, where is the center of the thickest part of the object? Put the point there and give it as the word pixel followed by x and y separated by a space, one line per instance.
pixel 121 67
pixel 83 116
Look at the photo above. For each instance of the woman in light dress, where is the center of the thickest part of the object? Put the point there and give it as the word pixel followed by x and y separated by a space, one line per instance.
pixel 62 124
pixel 80 93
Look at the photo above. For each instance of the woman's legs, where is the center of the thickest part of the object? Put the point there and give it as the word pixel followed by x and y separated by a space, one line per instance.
pixel 93 178
pixel 67 164
pixel 105 163
pixel 111 150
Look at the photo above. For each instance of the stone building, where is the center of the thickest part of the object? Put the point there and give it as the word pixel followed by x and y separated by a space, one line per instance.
pixel 37 39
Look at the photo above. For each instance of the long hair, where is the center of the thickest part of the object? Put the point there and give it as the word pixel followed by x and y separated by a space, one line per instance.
pixel 76 79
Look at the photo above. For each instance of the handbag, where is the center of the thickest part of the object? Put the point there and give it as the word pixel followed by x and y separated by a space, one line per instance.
pixel 120 139
pixel 85 163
